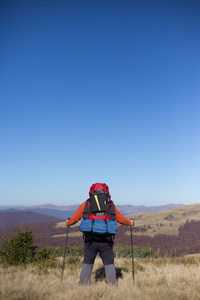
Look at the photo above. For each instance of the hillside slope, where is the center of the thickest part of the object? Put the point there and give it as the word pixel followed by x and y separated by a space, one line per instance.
pixel 165 222
pixel 8 219
pixel 159 222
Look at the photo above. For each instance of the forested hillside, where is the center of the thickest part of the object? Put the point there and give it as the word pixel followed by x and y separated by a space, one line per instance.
pixel 8 219
pixel 170 232
pixel 186 242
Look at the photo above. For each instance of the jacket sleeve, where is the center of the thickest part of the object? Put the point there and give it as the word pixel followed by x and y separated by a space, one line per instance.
pixel 121 219
pixel 77 216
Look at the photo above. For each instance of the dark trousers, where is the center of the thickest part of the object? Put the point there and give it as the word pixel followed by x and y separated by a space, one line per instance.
pixel 105 250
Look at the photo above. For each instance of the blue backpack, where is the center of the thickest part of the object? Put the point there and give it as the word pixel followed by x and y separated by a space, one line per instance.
pixel 99 227
pixel 99 215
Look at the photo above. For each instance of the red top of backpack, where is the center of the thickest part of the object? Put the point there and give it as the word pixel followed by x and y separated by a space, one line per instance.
pixel 99 186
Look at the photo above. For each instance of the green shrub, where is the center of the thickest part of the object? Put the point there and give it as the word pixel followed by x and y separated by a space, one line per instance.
pixel 70 251
pixel 48 264
pixel 138 252
pixel 47 253
pixel 73 252
pixel 19 248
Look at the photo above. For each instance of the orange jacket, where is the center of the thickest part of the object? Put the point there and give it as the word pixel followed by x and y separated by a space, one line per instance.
pixel 79 213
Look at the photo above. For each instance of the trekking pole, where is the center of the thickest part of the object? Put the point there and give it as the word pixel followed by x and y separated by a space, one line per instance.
pixel 65 253
pixel 132 253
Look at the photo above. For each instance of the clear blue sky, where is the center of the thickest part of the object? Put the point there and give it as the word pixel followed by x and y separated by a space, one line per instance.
pixel 99 91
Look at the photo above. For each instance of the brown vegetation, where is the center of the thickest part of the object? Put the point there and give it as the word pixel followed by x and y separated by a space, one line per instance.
pixel 8 219
pixel 169 279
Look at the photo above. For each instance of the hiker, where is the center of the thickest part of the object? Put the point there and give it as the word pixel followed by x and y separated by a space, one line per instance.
pixel 99 206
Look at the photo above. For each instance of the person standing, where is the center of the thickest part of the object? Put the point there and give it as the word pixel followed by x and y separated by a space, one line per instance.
pixel 98 206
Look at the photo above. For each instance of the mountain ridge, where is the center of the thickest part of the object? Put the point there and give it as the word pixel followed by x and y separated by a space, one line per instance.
pixel 15 215
pixel 66 211
pixel 15 218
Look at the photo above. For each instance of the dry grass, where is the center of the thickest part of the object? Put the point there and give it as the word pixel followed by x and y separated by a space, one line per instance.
pixel 177 279
pixel 195 255
pixel 70 234
pixel 176 217
pixel 63 224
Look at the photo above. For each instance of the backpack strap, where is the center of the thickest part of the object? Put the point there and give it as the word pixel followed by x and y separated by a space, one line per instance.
pixel 86 211
pixel 111 210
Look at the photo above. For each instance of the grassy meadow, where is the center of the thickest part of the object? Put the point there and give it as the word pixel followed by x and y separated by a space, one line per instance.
pixel 163 279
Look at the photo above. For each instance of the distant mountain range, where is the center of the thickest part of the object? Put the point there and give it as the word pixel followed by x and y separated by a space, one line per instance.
pixel 14 215
pixel 59 214
pixel 131 209
pixel 13 218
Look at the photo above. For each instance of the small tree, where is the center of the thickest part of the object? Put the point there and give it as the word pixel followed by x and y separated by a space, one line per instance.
pixel 19 248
